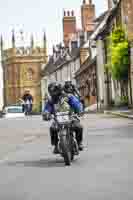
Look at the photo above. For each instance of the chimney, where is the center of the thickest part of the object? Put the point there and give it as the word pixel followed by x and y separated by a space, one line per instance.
pixel 69 27
pixel 68 13
pixel 87 16
pixel 110 4
pixel 72 13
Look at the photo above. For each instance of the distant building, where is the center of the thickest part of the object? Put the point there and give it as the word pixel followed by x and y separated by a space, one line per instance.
pixel 86 81
pixel 67 60
pixel 70 31
pixel 61 67
pixel 1 88
pixel 22 71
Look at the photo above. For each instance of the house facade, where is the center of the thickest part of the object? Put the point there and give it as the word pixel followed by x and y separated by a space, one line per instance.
pixel 86 81
pixel 119 13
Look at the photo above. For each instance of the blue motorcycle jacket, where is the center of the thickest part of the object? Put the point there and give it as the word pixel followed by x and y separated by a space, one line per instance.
pixel 71 101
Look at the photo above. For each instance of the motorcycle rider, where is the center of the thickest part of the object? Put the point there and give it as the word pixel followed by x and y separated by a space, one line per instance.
pixel 70 88
pixel 61 102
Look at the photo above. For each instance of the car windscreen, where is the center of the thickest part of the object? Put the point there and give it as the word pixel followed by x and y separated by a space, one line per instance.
pixel 15 110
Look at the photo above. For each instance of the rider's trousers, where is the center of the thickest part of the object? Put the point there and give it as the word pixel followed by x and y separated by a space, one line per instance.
pixel 76 127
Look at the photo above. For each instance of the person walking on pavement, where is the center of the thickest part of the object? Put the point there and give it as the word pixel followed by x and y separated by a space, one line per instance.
pixel 28 101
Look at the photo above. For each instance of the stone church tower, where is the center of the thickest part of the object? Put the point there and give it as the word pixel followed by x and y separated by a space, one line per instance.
pixel 87 15
pixel 22 71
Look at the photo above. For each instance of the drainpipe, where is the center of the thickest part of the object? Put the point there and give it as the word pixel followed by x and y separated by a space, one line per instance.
pixel 97 94
pixel 130 73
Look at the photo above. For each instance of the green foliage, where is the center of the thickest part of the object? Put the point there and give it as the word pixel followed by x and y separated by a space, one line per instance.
pixel 118 55
pixel 118 36
pixel 37 108
pixel 120 61
pixel 123 101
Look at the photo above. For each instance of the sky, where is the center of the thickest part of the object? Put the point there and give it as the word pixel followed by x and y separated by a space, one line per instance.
pixel 36 16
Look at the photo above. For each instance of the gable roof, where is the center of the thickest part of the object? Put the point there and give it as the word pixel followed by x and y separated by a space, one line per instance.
pixel 100 18
pixel 52 66
pixel 104 26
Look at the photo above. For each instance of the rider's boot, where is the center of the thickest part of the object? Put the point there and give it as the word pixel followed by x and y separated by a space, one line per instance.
pixel 56 149
pixel 80 146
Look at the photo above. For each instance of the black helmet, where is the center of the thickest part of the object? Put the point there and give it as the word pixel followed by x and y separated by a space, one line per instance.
pixel 55 89
pixel 68 87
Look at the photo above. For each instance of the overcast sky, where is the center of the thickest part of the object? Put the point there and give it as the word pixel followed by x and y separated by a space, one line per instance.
pixel 38 15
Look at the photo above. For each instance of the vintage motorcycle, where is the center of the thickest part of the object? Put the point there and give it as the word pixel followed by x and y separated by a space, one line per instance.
pixel 67 144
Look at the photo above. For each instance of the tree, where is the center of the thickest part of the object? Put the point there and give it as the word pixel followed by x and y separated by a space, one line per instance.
pixel 119 55
pixel 118 58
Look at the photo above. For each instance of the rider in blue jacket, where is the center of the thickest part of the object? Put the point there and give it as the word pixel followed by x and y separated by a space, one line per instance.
pixel 62 102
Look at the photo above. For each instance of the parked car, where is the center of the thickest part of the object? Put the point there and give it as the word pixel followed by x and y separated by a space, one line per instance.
pixel 13 112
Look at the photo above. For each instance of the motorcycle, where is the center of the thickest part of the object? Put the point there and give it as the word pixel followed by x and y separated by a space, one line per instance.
pixel 67 144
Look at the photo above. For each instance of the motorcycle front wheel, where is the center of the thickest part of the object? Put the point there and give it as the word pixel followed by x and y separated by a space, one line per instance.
pixel 66 149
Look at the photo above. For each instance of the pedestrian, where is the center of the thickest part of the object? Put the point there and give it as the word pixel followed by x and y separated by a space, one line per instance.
pixel 28 101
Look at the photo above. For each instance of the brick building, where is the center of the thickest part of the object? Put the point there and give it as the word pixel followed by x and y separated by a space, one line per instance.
pixel 22 71
pixel 70 31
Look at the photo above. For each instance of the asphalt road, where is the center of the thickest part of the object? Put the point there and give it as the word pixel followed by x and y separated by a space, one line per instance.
pixel 103 171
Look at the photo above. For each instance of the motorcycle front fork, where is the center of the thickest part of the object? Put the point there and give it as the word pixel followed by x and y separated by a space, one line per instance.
pixel 74 145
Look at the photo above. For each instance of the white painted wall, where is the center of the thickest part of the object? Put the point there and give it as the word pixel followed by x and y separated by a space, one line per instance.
pixel 100 71
pixel 43 89
pixel 67 72
pixel 63 74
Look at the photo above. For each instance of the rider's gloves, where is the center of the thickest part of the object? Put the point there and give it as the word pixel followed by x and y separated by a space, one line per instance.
pixel 46 116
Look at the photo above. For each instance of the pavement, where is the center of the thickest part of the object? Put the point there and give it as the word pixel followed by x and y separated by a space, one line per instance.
pixel 103 171
pixel 121 112
pixel 128 113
